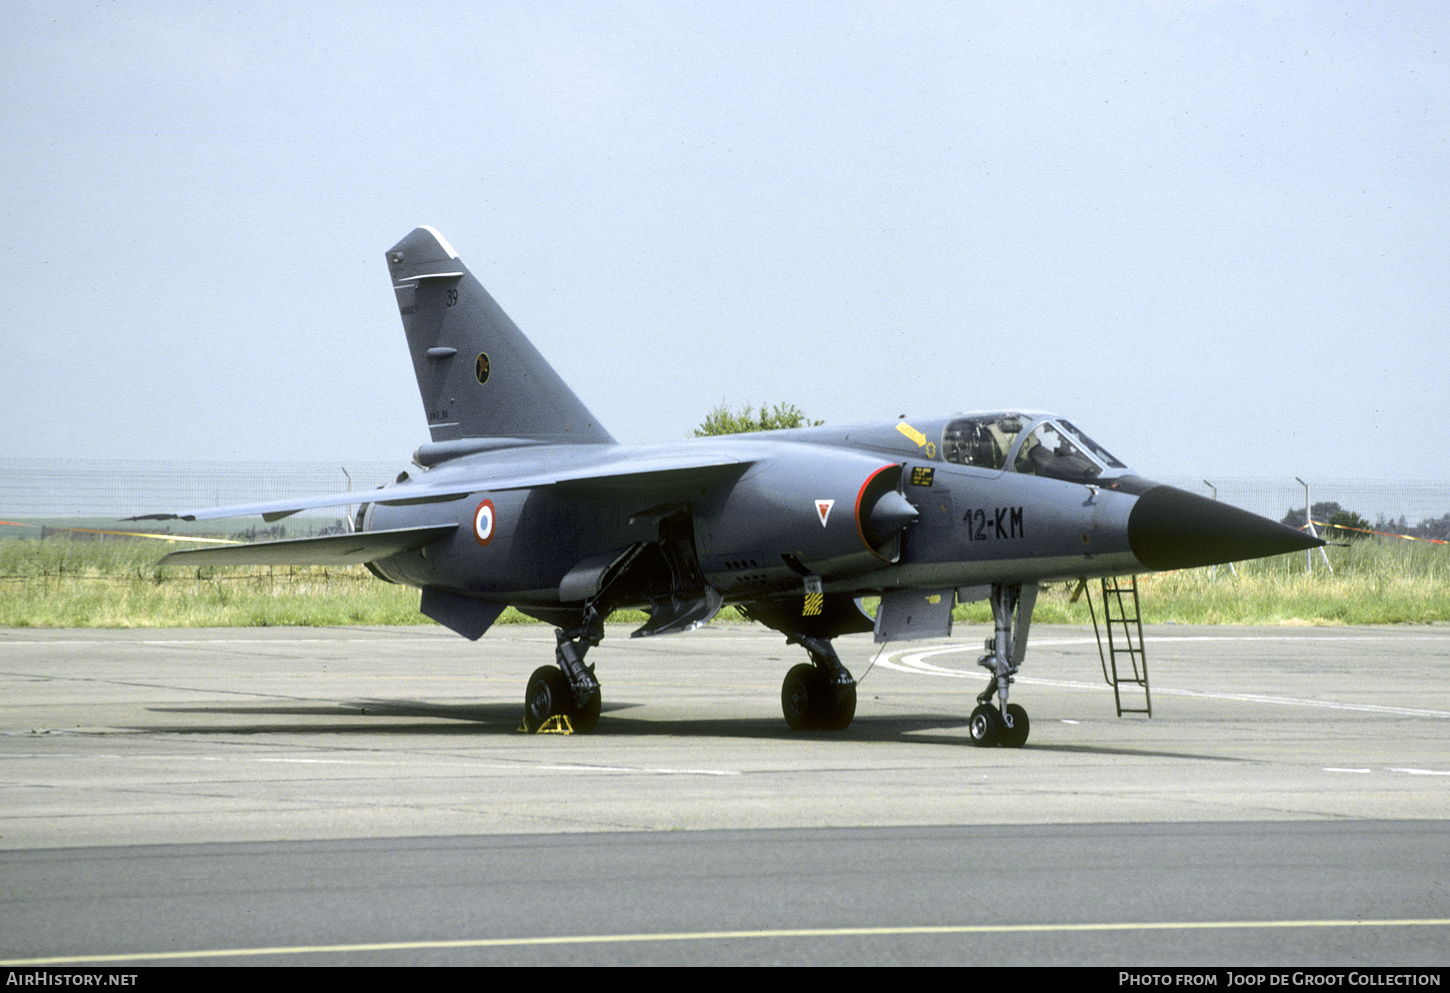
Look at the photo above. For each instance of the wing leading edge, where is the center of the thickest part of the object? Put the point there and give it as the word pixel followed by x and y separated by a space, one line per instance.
pixel 331 549
pixel 629 474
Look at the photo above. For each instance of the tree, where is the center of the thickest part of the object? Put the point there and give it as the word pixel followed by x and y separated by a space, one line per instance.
pixel 723 420
pixel 1354 525
pixel 1434 527
pixel 1321 512
pixel 1331 513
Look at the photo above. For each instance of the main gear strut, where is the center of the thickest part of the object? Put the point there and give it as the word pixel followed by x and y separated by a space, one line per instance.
pixel 568 689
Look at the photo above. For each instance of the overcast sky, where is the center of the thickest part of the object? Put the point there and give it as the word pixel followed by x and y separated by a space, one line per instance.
pixel 1214 235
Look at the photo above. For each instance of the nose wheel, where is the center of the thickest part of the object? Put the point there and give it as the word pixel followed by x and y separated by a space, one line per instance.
pixel 1016 726
pixel 990 726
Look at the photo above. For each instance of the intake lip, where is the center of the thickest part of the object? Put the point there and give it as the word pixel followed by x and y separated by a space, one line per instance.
pixel 1169 528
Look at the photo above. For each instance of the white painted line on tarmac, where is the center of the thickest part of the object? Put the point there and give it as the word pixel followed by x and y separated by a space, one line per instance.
pixel 1412 772
pixel 917 662
pixel 1367 708
pixel 762 933
pixel 120 642
pixel 1423 772
pixel 639 770
pixel 521 768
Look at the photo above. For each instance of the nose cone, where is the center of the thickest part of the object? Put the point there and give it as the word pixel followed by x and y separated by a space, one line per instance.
pixel 1169 528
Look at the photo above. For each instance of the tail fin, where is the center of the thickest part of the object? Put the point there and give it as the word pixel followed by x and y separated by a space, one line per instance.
pixel 478 375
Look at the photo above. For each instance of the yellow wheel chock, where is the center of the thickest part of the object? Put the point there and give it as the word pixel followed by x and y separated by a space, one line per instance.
pixel 558 724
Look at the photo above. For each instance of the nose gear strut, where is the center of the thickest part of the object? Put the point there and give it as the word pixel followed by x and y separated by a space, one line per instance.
pixel 1012 616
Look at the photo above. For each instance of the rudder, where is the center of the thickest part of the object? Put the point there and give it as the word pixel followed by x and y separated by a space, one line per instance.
pixel 478 376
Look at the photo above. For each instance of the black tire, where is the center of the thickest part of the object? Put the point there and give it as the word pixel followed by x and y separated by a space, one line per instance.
pixel 548 695
pixel 800 697
pixel 586 718
pixel 839 709
pixel 1016 735
pixel 986 726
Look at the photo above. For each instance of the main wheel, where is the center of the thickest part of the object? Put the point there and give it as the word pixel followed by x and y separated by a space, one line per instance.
pixel 801 696
pixel 548 695
pixel 1016 735
pixel 838 710
pixel 986 726
pixel 586 718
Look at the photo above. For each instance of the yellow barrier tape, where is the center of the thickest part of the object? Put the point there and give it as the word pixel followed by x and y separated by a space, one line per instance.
pixel 1382 534
pixel 128 534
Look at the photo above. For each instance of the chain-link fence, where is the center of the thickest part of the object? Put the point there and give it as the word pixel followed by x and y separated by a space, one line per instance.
pixel 1375 500
pixel 105 488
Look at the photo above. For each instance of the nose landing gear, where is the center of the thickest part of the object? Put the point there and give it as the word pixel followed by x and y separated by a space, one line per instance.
pixel 1012 615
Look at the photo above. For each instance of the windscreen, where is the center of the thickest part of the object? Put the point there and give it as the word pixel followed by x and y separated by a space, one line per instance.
pixel 1098 450
pixel 1057 450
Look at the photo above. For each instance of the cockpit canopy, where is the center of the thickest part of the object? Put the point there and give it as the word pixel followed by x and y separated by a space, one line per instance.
pixel 1031 443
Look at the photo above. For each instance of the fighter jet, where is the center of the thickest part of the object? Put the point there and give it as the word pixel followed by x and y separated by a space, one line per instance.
pixel 522 498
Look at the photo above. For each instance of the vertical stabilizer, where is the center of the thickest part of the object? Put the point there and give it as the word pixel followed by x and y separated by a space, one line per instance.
pixel 478 375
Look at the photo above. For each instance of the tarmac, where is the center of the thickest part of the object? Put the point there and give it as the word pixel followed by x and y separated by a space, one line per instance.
pixel 254 749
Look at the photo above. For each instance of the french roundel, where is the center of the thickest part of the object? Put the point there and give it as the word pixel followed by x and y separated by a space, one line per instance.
pixel 483 522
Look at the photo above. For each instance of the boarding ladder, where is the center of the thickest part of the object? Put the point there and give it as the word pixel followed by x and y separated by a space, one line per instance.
pixel 1125 663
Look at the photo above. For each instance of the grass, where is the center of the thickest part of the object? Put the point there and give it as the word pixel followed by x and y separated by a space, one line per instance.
pixel 1375 581
pixel 61 583
pixel 64 583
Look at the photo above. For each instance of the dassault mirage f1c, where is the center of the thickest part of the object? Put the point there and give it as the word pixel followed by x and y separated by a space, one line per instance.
pixel 523 498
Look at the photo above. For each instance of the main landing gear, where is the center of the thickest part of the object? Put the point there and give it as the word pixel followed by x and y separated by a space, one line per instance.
pixel 568 689
pixel 1012 617
pixel 820 696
